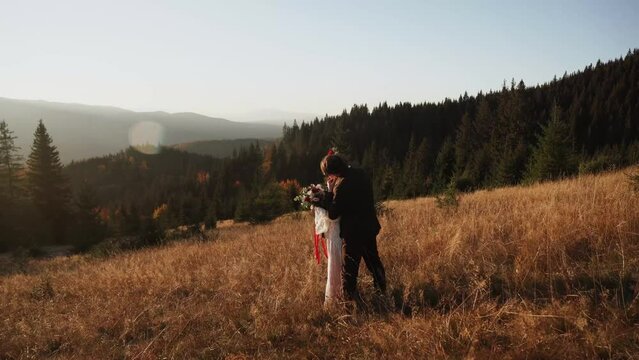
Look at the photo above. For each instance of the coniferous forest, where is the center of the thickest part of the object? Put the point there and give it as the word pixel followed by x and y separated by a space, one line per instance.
pixel 583 122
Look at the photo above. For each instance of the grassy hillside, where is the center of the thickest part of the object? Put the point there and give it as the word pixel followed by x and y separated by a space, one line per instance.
pixel 547 271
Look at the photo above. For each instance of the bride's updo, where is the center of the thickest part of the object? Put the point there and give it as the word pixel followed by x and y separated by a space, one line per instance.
pixel 333 164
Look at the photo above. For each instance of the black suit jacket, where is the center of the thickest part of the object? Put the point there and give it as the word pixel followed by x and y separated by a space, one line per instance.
pixel 353 202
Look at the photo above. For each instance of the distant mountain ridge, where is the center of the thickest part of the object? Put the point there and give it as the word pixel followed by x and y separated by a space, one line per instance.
pixel 220 148
pixel 274 117
pixel 83 131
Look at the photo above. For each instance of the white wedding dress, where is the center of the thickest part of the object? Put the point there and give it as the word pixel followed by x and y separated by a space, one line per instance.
pixel 330 229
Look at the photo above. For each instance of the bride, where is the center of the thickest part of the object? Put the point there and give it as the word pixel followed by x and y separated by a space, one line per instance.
pixel 331 233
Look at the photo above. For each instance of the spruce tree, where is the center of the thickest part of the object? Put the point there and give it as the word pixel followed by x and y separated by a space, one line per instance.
pixel 403 186
pixel 553 156
pixel 480 161
pixel 444 166
pixel 88 227
pixel 370 160
pixel 10 164
pixel 47 185
pixel 414 169
pixel 210 218
pixel 10 181
pixel 511 166
pixel 341 138
pixel 388 181
pixel 421 168
pixel 463 144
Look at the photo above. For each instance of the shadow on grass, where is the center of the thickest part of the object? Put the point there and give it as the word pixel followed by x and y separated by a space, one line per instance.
pixel 447 296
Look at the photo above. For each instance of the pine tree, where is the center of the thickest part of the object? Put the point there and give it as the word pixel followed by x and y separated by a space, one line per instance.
pixel 511 166
pixel 88 227
pixel 10 164
pixel 370 160
pixel 463 144
pixel 421 168
pixel 47 185
pixel 341 138
pixel 414 170
pixel 480 161
pixel 444 166
pixel 10 169
pixel 210 218
pixel 271 202
pixel 403 186
pixel 553 156
pixel 244 205
pixel 388 181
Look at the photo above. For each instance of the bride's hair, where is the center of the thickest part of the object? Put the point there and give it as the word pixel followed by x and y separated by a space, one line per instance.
pixel 333 164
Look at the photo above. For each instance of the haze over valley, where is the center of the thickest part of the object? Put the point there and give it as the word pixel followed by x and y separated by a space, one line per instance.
pixel 84 131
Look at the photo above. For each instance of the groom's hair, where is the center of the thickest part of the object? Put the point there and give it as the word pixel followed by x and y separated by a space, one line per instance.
pixel 333 165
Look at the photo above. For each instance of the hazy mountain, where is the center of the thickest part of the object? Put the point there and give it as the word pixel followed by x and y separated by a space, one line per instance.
pixel 219 148
pixel 273 116
pixel 83 131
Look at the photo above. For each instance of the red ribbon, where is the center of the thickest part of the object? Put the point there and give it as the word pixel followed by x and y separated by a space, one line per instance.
pixel 317 238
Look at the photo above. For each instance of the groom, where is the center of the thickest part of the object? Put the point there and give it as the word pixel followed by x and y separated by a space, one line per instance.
pixel 352 200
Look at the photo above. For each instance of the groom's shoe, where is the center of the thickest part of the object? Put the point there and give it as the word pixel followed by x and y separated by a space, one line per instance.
pixel 380 303
pixel 354 297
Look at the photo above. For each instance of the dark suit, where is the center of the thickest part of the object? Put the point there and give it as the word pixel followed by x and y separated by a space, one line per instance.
pixel 353 203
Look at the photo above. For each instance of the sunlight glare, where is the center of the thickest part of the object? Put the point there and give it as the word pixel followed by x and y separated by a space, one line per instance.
pixel 146 137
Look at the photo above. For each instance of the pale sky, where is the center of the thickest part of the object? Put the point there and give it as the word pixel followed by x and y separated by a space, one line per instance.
pixel 236 57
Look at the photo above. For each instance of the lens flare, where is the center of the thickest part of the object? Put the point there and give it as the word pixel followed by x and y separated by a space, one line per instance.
pixel 146 137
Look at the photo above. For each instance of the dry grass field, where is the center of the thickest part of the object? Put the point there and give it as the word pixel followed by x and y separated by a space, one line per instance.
pixel 547 271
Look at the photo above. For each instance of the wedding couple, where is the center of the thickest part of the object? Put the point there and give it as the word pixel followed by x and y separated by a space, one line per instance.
pixel 348 209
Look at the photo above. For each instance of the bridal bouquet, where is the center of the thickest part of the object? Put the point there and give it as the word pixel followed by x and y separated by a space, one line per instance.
pixel 310 194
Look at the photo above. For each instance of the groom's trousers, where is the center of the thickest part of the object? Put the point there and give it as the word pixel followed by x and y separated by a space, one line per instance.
pixel 356 248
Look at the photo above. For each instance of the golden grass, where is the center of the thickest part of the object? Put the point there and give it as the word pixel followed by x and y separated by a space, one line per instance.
pixel 546 271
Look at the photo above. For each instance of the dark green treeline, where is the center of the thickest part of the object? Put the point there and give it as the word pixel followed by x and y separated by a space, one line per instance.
pixel 580 123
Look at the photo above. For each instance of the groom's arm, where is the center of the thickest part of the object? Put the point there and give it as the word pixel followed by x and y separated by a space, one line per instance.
pixel 336 202
pixel 340 200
